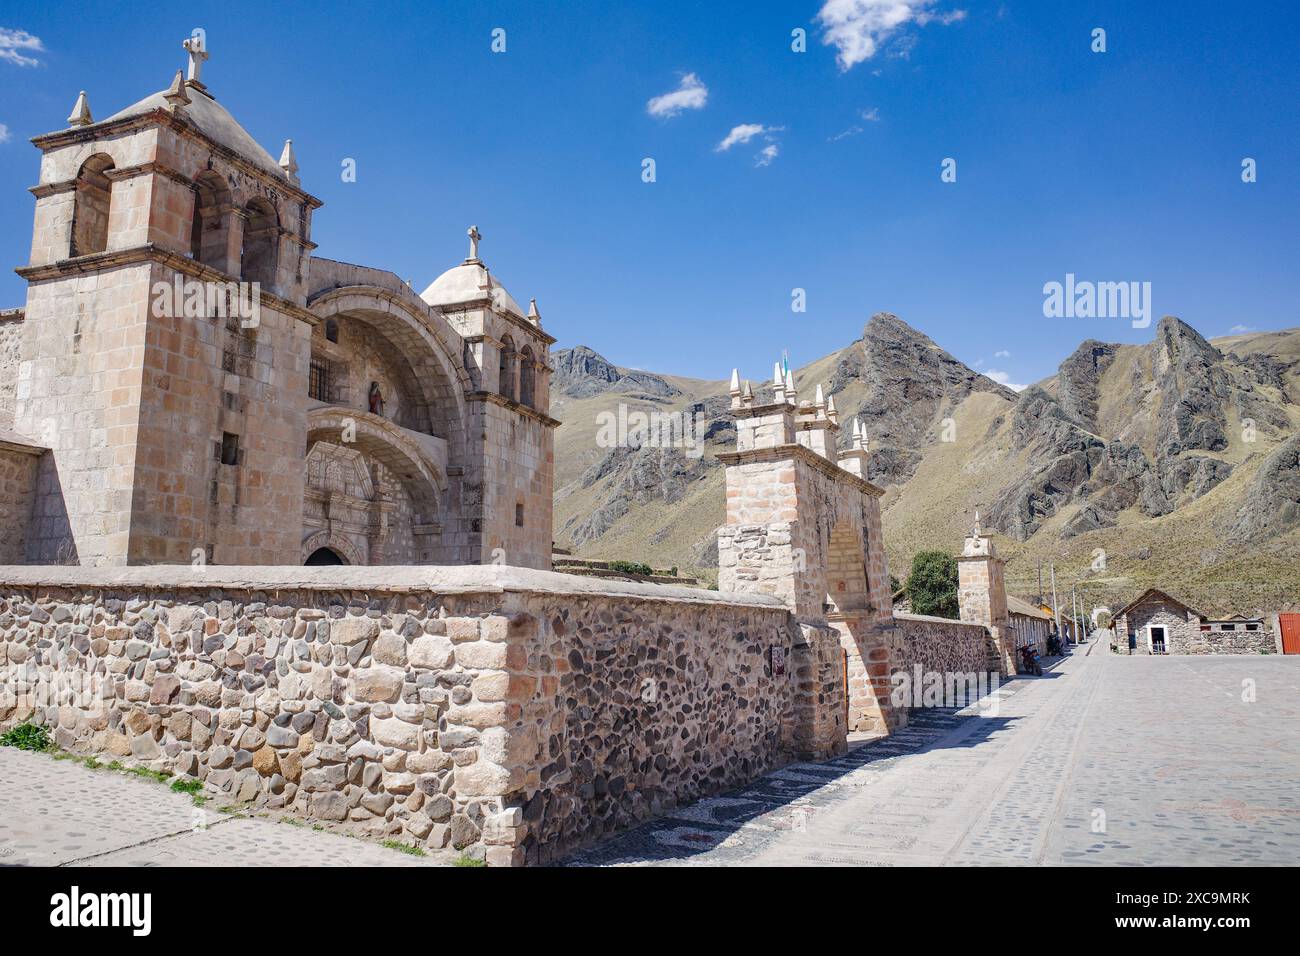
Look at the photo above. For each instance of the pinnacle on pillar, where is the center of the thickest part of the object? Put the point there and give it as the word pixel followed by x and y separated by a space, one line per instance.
pixel 747 398
pixel 734 390
pixel 831 413
pixel 80 111
pixel 819 402
pixel 790 395
pixel 534 316
pixel 289 162
pixel 778 383
pixel 176 96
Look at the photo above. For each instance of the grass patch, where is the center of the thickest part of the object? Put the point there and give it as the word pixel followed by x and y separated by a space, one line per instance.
pixel 466 860
pixel 187 785
pixel 27 736
pixel 90 763
pixel 407 848
pixel 145 773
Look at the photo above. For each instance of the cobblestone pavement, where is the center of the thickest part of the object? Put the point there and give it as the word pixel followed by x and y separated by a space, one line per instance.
pixel 60 813
pixel 1104 760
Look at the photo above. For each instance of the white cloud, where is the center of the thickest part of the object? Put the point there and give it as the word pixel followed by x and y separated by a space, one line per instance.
pixel 741 134
pixel 1002 353
pixel 844 134
pixel 4 133
pixel 872 115
pixel 766 155
pixel 11 41
pixel 1002 378
pixel 1235 330
pixel 857 28
pixel 691 94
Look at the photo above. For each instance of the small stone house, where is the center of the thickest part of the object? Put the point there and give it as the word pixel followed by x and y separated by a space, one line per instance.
pixel 1156 623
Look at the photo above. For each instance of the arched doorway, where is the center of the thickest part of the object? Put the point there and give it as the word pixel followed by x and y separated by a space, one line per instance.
pixel 323 557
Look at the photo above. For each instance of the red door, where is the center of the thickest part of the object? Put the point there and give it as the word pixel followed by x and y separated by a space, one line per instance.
pixel 1290 633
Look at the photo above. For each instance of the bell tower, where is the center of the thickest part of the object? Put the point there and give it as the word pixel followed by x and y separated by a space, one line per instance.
pixel 166 339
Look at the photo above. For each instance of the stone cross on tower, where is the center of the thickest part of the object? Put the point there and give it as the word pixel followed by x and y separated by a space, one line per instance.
pixel 197 55
pixel 474 237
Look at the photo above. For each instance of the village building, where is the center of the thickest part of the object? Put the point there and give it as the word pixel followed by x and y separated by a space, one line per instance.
pixel 1157 623
pixel 189 382
pixel 1030 624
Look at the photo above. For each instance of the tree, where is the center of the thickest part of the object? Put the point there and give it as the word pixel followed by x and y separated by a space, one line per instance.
pixel 932 585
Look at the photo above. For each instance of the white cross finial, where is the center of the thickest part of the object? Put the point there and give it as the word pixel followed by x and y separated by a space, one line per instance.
pixel 977 523
pixel 474 237
pixel 194 45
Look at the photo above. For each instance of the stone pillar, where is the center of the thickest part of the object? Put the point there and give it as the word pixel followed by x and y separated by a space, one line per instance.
pixel 982 595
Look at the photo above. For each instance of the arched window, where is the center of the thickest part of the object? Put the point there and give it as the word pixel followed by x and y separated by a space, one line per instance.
pixel 527 373
pixel 210 226
pixel 507 368
pixel 261 244
pixel 90 209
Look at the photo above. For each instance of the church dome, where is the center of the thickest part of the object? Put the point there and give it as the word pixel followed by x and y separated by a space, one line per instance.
pixel 214 121
pixel 468 281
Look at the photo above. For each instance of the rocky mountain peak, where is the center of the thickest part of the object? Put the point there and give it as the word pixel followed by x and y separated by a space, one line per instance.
pixel 581 372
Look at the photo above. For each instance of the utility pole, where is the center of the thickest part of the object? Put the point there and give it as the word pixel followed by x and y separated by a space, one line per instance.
pixel 1074 603
pixel 1040 580
pixel 1056 606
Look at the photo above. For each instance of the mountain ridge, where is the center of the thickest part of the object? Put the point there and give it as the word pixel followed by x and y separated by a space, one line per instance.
pixel 1168 457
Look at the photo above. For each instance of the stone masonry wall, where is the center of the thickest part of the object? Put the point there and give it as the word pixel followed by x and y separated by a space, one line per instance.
pixel 512 714
pixel 937 645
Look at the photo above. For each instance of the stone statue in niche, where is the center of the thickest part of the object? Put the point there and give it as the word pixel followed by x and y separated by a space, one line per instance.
pixel 376 400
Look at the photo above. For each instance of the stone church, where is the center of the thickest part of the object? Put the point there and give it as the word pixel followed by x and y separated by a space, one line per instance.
pixel 342 419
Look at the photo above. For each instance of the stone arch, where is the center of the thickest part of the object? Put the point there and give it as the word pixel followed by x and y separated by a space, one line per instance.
pixel 527 377
pixel 91 206
pixel 846 569
pixel 210 224
pixel 417 466
pixel 261 251
pixel 427 343
pixel 506 368
pixel 335 542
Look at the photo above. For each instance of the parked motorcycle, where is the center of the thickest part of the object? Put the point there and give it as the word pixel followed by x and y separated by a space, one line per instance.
pixel 1029 661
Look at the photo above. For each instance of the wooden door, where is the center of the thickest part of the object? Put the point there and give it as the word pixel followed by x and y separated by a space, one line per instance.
pixel 1290 633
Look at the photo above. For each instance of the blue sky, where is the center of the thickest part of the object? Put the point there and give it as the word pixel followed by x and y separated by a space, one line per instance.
pixel 1115 166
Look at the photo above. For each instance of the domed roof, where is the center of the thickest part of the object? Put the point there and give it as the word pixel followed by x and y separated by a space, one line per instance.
pixel 468 281
pixel 214 121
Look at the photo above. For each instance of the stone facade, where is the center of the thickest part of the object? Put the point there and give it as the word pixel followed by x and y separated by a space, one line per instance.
pixel 181 432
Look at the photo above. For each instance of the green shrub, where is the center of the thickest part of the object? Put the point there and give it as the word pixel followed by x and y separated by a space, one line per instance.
pixel 932 585
pixel 631 567
pixel 27 736
pixel 467 860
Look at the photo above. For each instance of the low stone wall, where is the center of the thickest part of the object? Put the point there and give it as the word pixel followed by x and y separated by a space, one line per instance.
pixel 938 645
pixel 514 714
pixel 1231 642
pixel 18 463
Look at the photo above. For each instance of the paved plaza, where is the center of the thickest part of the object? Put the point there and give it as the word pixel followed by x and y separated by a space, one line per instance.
pixel 1103 761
